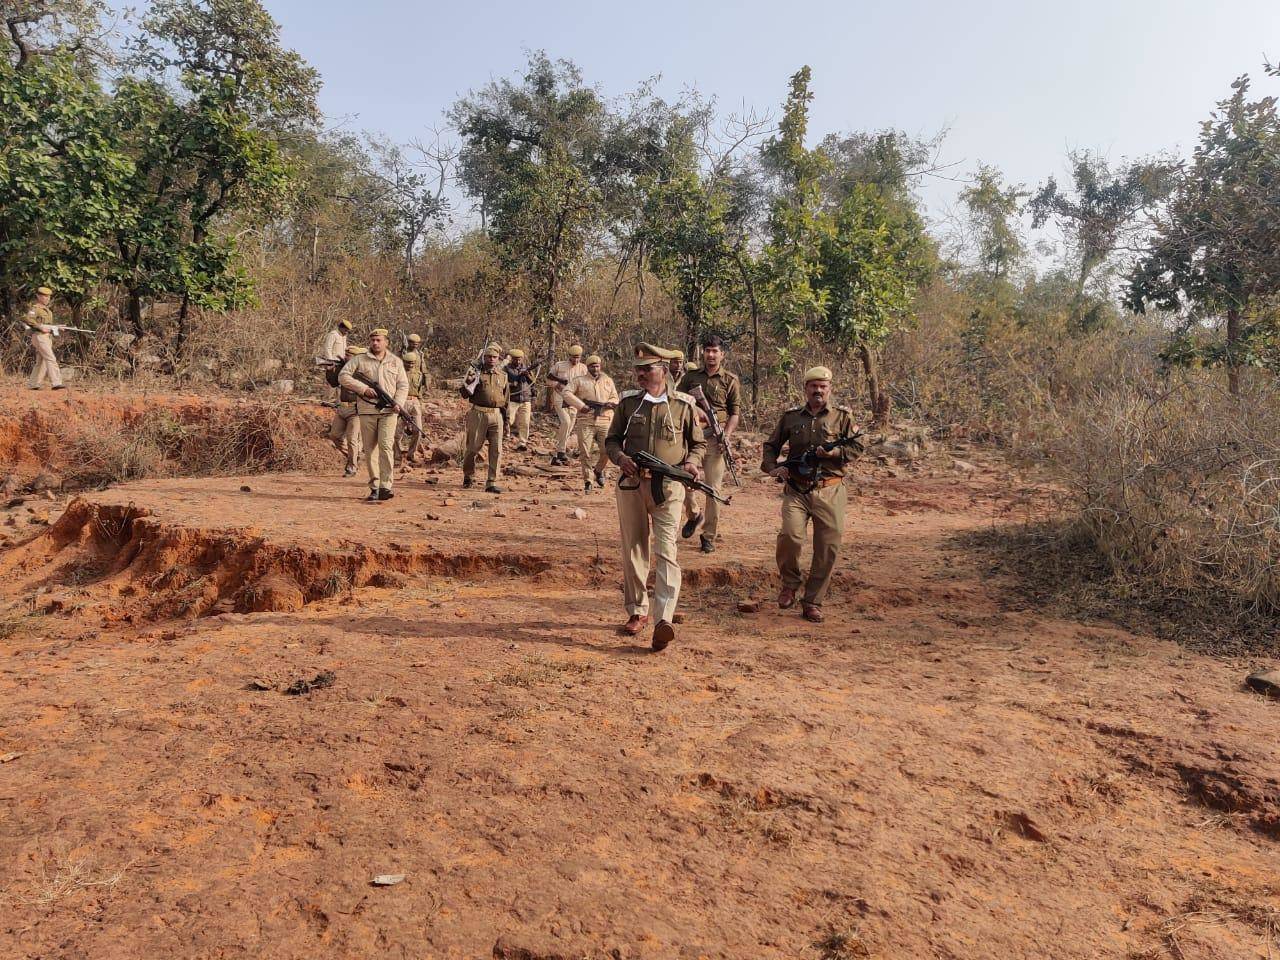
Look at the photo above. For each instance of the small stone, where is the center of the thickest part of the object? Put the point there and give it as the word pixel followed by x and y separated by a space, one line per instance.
pixel 677 618
pixel 45 480
pixel 748 606
pixel 1266 682
pixel 433 516
pixel 245 488
pixel 964 466
pixel 387 879
pixel 448 502
pixel 578 513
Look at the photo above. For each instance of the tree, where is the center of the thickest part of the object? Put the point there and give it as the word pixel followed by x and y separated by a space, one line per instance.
pixel 414 184
pixel 532 155
pixel 1215 247
pixel 993 209
pixel 873 259
pixel 1103 214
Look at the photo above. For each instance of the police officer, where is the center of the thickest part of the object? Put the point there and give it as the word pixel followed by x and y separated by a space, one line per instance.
pixel 561 374
pixel 520 407
pixel 723 393
pixel 593 422
pixel 39 320
pixel 344 430
pixel 489 393
pixel 334 347
pixel 801 429
pixel 377 427
pixel 414 370
pixel 652 418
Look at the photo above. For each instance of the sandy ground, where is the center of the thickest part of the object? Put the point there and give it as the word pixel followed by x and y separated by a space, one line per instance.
pixel 933 772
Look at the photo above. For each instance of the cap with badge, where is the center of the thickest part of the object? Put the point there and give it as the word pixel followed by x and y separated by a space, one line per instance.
pixel 415 338
pixel 354 351
pixel 44 291
pixel 410 357
pixel 817 373
pixel 575 351
pixel 647 355
pixel 593 359
pixel 516 353
pixel 344 324
pixel 379 332
pixel 493 350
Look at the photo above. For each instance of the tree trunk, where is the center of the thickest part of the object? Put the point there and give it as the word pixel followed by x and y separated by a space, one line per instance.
pixel 315 252
pixel 1233 360
pixel 878 399
pixel 180 342
pixel 133 313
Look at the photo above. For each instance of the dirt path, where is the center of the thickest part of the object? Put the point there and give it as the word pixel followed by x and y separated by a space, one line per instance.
pixel 930 773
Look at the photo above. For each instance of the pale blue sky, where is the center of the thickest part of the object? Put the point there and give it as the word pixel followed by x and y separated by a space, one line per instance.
pixel 1018 84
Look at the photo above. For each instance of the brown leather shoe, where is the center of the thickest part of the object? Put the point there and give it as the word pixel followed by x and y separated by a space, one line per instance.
pixel 635 624
pixel 813 613
pixel 786 598
pixel 663 634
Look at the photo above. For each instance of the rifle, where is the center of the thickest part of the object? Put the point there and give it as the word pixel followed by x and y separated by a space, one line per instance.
pixel 598 406
pixel 658 469
pixel 385 401
pixel 803 469
pixel 717 431
pixel 58 328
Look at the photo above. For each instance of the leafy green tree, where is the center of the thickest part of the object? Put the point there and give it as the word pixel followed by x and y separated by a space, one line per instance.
pixel 993 211
pixel 1104 212
pixel 532 155
pixel 1215 249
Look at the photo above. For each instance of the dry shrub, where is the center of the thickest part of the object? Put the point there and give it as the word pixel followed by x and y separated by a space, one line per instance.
pixel 99 447
pixel 1177 485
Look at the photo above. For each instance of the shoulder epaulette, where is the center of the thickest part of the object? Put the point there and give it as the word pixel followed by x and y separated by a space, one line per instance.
pixel 684 397
pixel 798 407
pixel 630 393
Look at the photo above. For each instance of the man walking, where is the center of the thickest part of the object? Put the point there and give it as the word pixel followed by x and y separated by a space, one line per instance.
pixel 820 499
pixel 560 376
pixel 520 407
pixel 413 370
pixel 344 430
pixel 593 398
pixel 657 421
pixel 377 426
pixel 39 320
pixel 489 393
pixel 723 392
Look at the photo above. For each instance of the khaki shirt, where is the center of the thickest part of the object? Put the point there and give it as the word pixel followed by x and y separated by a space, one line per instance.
pixel 334 345
pixel 492 390
pixel 38 318
pixel 669 429
pixel 721 388
pixel 598 389
pixel 388 373
pixel 413 369
pixel 801 431
pixel 567 371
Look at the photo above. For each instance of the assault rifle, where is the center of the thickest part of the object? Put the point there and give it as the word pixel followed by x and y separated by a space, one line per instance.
pixel 599 406
pixel 384 401
pixel 717 431
pixel 331 368
pixel 659 469
pixel 803 470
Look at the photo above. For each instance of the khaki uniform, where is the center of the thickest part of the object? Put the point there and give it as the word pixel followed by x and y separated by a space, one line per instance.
pixel 344 430
pixel 484 422
pixel 39 320
pixel 723 392
pixel 333 347
pixel 568 371
pixel 669 430
pixel 592 427
pixel 405 442
pixel 520 406
pixel 800 430
pixel 377 427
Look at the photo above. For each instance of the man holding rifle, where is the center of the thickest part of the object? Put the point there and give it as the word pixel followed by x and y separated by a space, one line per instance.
pixel 39 320
pixel 489 392
pixel 594 397
pixel 722 393
pixel 656 421
pixel 829 437
pixel 561 374
pixel 365 375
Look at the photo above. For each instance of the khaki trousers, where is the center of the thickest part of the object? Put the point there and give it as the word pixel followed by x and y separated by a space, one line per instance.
pixel 46 362
pixel 825 507
pixel 344 432
pixel 638 518
pixel 405 442
pixel 484 425
pixel 566 415
pixel 713 475
pixel 520 414
pixel 591 433
pixel 378 434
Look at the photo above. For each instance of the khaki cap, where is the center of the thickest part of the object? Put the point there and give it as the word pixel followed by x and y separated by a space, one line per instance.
pixel 410 357
pixel 575 351
pixel 415 338
pixel 516 353
pixel 345 324
pixel 493 350
pixel 593 359
pixel 379 332
pixel 817 373
pixel 690 367
pixel 354 351
pixel 647 355
pixel 45 290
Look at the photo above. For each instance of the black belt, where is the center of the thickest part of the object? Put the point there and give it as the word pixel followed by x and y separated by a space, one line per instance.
pixel 487 406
